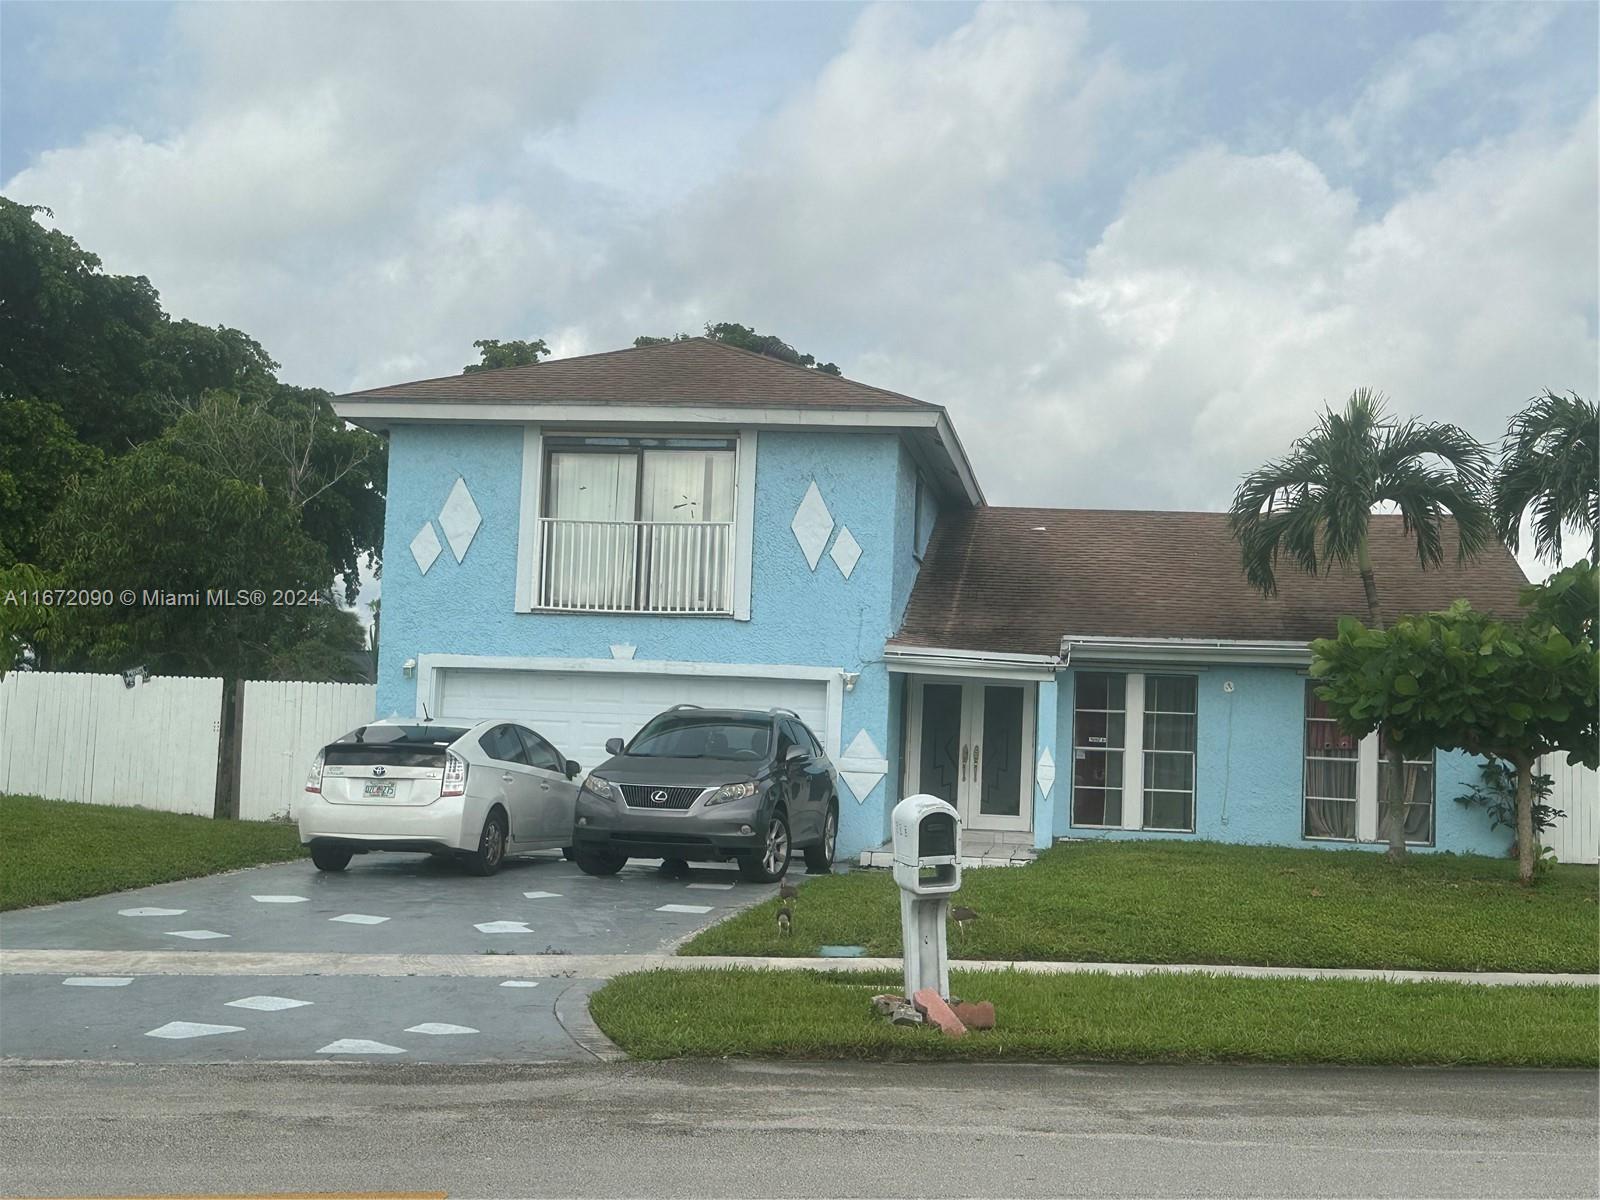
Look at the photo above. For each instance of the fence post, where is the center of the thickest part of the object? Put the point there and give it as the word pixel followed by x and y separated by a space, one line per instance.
pixel 229 750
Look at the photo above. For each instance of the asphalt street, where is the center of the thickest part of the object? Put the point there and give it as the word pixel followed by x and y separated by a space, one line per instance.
pixel 790 1129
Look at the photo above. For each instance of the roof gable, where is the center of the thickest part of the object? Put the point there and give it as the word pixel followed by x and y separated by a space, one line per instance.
pixel 1020 579
pixel 699 372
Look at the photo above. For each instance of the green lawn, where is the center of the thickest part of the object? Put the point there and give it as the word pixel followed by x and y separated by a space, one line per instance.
pixel 51 850
pixel 1152 1018
pixel 1205 902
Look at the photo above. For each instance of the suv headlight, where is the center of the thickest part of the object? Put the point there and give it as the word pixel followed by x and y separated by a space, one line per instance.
pixel 731 791
pixel 596 786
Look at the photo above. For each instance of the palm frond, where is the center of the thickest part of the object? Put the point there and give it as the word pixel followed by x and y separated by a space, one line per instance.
pixel 1550 463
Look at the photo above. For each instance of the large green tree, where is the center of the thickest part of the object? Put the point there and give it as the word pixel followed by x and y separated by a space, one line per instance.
pixel 134 445
pixel 1550 470
pixel 204 527
pixel 1464 680
pixel 1314 506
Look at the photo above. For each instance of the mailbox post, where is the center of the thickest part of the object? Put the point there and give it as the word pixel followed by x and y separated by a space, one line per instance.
pixel 927 868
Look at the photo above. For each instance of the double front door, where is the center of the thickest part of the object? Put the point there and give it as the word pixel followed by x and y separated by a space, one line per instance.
pixel 971 744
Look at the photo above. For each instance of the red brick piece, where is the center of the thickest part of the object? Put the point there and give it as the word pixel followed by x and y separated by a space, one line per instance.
pixel 976 1015
pixel 936 1012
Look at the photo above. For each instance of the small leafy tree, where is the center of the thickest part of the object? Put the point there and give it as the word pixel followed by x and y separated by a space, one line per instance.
pixel 1463 680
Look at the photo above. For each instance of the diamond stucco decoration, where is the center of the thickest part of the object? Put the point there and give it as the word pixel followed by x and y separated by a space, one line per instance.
pixel 1045 772
pixel 425 547
pixel 846 552
pixel 862 766
pixel 459 518
pixel 812 524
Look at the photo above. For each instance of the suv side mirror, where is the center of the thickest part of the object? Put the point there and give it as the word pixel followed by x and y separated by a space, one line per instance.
pixel 573 768
pixel 794 753
pixel 613 745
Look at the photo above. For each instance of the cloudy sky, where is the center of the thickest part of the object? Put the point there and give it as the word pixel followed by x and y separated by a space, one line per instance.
pixel 1132 247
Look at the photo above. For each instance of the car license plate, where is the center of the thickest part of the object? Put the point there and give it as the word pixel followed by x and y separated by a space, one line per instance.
pixel 380 791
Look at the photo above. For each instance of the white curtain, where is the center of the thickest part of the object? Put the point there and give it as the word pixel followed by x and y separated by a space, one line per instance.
pixel 688 485
pixel 587 563
pixel 593 487
pixel 687 568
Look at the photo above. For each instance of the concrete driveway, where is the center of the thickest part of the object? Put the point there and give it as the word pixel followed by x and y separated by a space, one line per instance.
pixel 384 904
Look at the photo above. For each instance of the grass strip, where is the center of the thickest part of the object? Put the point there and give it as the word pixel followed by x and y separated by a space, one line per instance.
pixel 1105 1018
pixel 1206 902
pixel 52 850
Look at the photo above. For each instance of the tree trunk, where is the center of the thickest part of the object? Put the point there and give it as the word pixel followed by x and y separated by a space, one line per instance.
pixel 1399 796
pixel 1527 844
pixel 1369 584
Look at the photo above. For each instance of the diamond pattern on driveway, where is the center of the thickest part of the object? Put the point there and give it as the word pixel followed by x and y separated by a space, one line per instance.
pixel 179 1030
pixel 268 1003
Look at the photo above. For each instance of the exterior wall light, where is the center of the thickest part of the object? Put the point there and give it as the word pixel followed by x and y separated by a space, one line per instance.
pixel 850 678
pixel 409 667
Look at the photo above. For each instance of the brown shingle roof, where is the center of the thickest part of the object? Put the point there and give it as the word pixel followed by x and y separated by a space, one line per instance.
pixel 1019 579
pixel 695 372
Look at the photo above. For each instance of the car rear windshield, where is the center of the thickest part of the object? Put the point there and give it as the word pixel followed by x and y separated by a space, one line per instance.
pixel 393 746
pixel 694 736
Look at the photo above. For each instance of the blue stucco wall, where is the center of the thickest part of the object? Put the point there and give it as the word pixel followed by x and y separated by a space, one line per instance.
pixel 798 616
pixel 1249 767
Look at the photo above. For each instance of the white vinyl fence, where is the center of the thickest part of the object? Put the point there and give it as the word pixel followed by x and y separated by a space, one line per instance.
pixel 1576 792
pixel 284 726
pixel 92 739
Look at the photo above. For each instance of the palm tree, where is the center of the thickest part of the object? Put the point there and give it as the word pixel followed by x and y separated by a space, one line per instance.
pixel 1315 507
pixel 1550 461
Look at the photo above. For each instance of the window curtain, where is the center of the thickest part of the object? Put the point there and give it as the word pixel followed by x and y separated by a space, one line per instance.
pixel 1417 783
pixel 589 557
pixel 687 568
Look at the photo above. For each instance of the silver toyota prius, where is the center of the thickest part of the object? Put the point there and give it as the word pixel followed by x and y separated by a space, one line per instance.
pixel 477 792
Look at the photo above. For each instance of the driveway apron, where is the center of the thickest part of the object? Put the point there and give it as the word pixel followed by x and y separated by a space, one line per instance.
pixel 389 904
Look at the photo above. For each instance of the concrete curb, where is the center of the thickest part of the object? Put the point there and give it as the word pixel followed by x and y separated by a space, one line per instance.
pixel 572 1014
pixel 607 966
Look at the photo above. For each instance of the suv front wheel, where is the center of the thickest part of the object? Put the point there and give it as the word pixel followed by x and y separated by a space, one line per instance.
pixel 819 858
pixel 769 864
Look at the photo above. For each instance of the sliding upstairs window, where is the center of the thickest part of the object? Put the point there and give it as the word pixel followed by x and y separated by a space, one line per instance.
pixel 638 525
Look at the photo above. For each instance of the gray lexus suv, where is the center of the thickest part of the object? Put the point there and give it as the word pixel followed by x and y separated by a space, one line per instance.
pixel 711 784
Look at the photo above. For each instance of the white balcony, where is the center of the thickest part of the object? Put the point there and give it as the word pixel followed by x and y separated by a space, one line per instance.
pixel 636 566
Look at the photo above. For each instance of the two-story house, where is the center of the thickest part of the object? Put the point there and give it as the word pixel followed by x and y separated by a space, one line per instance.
pixel 585 542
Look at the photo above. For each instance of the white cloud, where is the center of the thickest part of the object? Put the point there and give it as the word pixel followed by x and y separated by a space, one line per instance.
pixel 367 190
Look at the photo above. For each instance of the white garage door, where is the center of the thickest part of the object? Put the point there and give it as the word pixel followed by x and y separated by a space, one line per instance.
pixel 579 710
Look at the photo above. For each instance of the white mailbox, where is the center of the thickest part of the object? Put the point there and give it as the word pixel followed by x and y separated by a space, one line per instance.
pixel 927 867
pixel 927 846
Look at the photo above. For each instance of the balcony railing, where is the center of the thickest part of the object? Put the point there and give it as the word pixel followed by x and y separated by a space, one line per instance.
pixel 636 566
